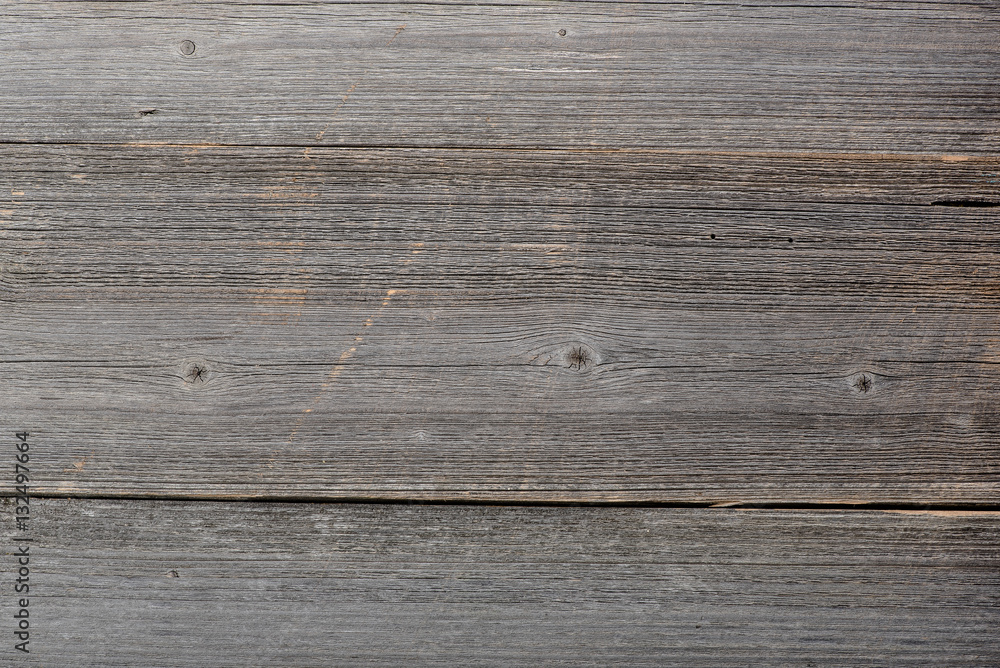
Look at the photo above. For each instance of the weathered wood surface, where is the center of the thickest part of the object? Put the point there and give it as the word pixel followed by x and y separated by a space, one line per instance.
pixel 874 77
pixel 524 326
pixel 128 583
pixel 516 253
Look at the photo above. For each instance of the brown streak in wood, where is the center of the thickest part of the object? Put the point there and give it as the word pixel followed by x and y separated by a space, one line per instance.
pixel 337 369
pixel 347 95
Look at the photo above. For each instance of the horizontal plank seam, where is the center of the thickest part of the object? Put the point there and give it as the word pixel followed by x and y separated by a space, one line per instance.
pixel 741 205
pixel 986 506
pixel 913 6
pixel 624 365
pixel 806 155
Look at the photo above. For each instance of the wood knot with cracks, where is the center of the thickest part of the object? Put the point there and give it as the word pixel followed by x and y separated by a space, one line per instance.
pixel 863 383
pixel 579 358
pixel 195 373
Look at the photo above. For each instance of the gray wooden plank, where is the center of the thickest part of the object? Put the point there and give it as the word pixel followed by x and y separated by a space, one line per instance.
pixel 502 325
pixel 116 583
pixel 301 178
pixel 881 77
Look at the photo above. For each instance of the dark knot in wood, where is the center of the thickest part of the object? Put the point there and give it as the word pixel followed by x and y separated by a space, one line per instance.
pixel 196 372
pixel 863 384
pixel 578 358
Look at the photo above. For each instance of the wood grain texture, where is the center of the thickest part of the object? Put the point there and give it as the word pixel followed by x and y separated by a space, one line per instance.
pixel 873 77
pixel 503 325
pixel 126 583
pixel 522 253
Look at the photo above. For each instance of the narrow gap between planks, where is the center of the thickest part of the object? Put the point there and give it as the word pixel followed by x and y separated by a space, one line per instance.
pixel 986 506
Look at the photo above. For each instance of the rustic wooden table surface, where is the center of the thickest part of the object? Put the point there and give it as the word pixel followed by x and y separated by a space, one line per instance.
pixel 513 333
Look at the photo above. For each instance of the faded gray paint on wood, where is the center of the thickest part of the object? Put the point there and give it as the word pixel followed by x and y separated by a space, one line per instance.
pixel 194 584
pixel 882 77
pixel 518 325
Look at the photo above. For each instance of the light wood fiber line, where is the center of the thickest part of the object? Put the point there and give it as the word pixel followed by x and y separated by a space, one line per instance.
pixel 176 584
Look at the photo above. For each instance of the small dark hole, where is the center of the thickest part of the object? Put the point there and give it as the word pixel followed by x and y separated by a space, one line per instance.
pixel 964 202
pixel 791 240
pixel 713 236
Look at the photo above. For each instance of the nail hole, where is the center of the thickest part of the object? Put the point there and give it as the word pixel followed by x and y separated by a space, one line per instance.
pixel 187 47
pixel 713 236
pixel 791 240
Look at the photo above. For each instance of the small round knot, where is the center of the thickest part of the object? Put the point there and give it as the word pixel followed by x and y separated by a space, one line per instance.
pixel 195 373
pixel 863 383
pixel 562 32
pixel 187 47
pixel 579 358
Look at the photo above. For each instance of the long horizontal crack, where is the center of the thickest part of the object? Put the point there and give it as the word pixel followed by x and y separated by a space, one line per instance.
pixel 784 155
